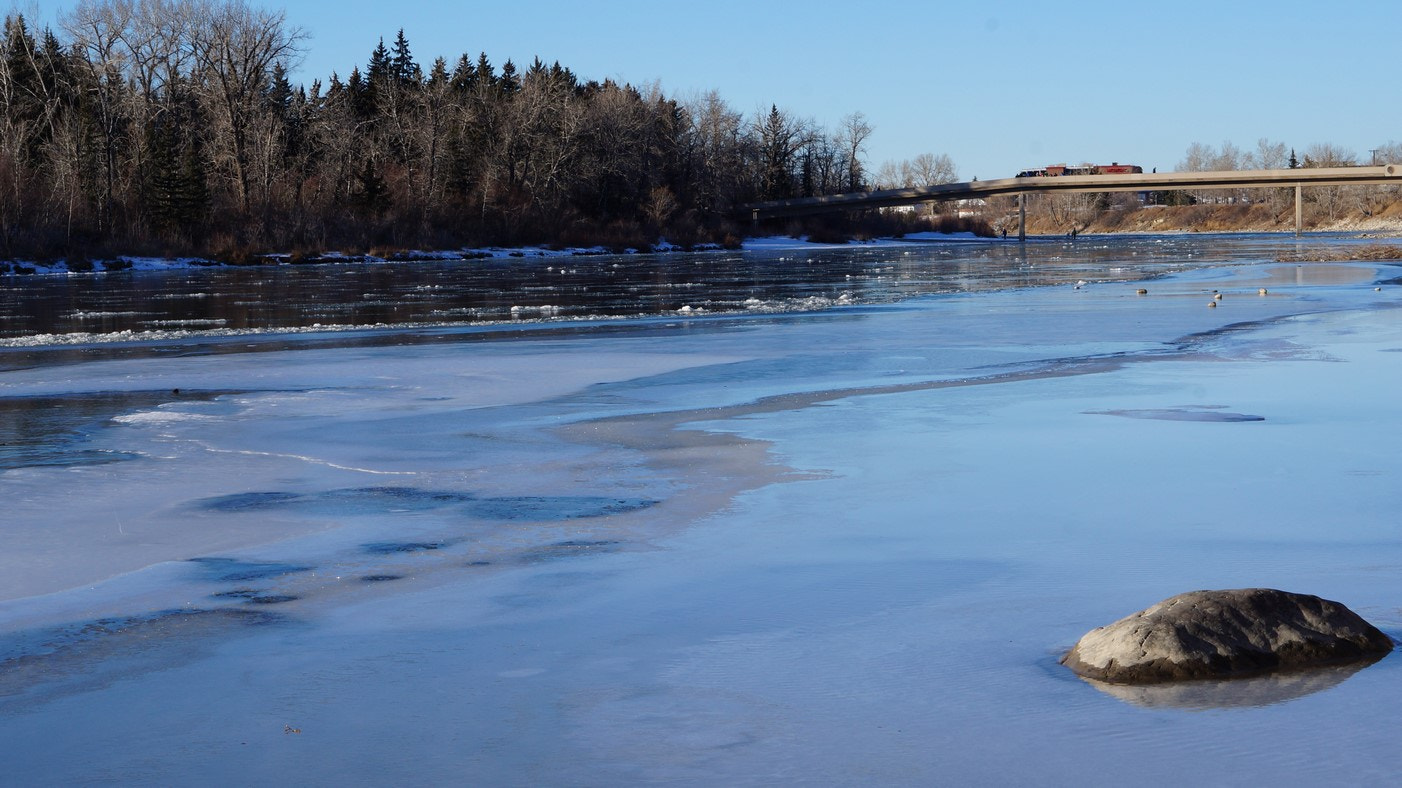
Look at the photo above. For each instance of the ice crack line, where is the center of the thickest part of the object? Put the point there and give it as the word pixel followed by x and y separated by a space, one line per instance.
pixel 312 460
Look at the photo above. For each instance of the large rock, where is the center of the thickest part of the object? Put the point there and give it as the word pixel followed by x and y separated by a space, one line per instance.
pixel 1224 634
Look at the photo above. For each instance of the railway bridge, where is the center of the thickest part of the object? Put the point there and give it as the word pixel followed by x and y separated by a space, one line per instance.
pixel 1118 182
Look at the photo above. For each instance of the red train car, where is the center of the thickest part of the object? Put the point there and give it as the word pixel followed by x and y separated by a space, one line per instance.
pixel 1052 170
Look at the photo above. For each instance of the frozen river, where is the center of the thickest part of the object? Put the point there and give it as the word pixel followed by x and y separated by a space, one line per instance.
pixel 782 516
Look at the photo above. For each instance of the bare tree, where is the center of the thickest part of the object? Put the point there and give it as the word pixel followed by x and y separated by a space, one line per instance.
pixel 1390 153
pixel 1070 210
pixel 1199 158
pixel 853 137
pixel 97 30
pixel 1373 199
pixel 1271 155
pixel 888 176
pixel 235 47
pixel 928 169
pixel 435 112
pixel 1327 154
pixel 716 152
pixel 607 137
pixel 1330 199
pixel 1206 158
pixel 823 166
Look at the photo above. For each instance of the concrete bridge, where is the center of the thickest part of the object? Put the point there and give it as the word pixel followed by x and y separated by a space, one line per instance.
pixel 1120 182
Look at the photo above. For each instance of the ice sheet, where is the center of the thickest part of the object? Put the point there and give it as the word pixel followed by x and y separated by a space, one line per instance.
pixel 843 548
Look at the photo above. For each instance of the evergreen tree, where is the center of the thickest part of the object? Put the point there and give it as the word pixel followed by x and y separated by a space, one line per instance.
pixel 176 196
pixel 438 74
pixel 23 91
pixel 404 72
pixel 486 74
pixel 464 76
pixel 780 139
pixel 55 63
pixel 379 69
pixel 509 83
pixel 372 195
pixel 362 94
pixel 279 91
pixel 564 77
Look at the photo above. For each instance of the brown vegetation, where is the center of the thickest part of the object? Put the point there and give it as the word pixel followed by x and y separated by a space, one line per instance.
pixel 1377 252
pixel 1345 209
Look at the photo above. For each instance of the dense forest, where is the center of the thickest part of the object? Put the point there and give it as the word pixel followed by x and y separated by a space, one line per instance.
pixel 171 127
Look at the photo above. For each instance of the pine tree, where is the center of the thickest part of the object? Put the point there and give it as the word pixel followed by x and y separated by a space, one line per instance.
pixel 486 74
pixel 1294 162
pixel 464 76
pixel 780 139
pixel 175 195
pixel 404 72
pixel 279 91
pixel 23 90
pixel 564 76
pixel 510 83
pixel 362 94
pixel 438 74
pixel 379 69
pixel 373 194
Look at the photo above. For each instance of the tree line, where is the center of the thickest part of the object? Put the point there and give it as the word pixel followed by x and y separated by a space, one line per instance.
pixel 172 126
pixel 1326 203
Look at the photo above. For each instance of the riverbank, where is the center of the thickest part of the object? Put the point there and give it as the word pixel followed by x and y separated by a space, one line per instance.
pixel 1278 217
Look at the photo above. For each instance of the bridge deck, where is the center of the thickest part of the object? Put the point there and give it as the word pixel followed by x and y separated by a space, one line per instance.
pixel 1135 182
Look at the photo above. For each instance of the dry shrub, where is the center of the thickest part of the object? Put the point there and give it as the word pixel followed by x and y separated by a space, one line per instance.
pixel 617 236
pixel 1374 252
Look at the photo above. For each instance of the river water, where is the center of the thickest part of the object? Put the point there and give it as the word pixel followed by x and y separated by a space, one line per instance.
pixel 155 305
pixel 784 515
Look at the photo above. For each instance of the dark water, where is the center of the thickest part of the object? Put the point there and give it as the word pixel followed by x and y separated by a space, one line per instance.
pixel 56 430
pixel 48 310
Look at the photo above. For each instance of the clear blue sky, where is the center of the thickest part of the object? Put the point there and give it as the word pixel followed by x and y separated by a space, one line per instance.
pixel 998 86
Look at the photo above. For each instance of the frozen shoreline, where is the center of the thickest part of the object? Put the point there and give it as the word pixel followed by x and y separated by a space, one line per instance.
pixel 466 254
pixel 963 497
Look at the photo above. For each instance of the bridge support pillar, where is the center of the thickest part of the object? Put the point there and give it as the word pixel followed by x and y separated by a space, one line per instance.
pixel 1022 217
pixel 1299 211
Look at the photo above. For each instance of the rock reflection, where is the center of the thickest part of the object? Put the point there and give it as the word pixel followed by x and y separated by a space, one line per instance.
pixel 1267 690
pixel 1206 413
